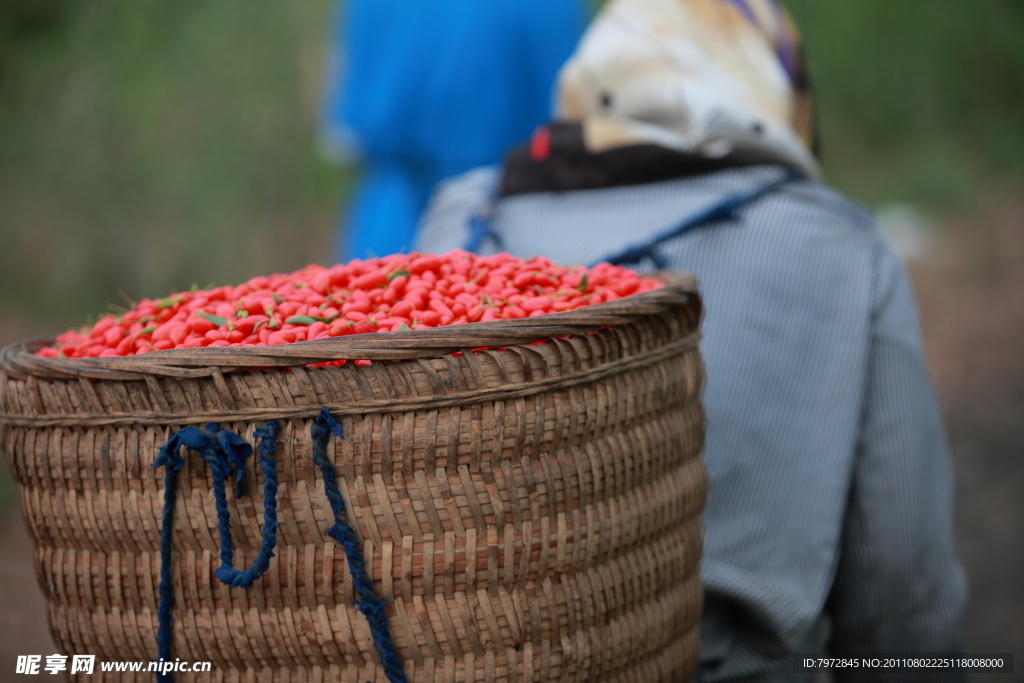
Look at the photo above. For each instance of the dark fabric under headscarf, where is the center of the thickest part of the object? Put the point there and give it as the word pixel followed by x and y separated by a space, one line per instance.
pixel 557 160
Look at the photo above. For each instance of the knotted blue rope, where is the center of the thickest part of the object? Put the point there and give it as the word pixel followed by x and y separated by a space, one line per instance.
pixel 226 572
pixel 725 210
pixel 366 601
pixel 225 452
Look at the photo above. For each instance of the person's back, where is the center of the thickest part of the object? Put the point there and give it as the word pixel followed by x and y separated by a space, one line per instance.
pixel 830 481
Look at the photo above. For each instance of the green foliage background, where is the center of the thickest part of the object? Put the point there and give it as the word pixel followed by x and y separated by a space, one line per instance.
pixel 149 145
pixel 919 100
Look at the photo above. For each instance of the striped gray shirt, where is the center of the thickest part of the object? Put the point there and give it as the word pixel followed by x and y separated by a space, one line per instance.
pixel 831 486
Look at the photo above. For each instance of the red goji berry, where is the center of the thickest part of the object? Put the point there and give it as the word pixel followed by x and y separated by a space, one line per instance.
pixel 396 292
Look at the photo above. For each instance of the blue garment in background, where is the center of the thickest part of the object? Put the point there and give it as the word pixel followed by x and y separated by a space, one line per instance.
pixel 432 88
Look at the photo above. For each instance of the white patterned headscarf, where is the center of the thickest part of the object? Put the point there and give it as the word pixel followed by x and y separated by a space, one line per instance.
pixel 705 77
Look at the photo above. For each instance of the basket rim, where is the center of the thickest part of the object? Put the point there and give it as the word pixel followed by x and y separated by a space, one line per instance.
pixel 18 361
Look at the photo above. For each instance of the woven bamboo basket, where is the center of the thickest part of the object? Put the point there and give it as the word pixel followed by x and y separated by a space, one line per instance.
pixel 529 511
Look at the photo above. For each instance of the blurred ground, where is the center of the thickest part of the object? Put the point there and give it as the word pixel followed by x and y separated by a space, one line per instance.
pixel 23 617
pixel 972 313
pixel 970 286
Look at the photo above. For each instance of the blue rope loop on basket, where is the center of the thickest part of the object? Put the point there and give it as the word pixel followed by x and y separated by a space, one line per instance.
pixel 225 452
pixel 726 210
pixel 367 600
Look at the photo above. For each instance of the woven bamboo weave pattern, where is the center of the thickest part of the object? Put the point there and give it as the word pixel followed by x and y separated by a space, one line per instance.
pixel 530 512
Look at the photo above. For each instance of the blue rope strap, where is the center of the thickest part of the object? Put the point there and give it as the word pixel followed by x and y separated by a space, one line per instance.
pixel 366 601
pixel 480 227
pixel 725 210
pixel 480 230
pixel 225 452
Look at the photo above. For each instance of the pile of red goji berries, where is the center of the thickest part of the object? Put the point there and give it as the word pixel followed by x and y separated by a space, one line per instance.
pixel 398 292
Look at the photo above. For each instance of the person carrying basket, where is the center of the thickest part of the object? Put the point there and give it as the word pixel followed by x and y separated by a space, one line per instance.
pixel 683 140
